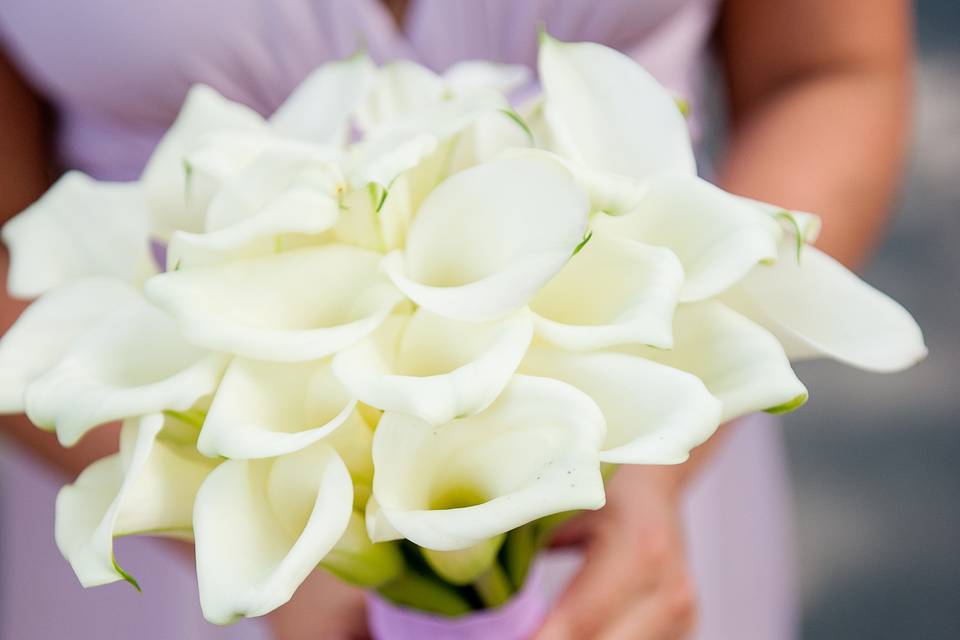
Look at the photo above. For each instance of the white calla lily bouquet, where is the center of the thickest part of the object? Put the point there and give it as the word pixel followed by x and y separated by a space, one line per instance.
pixel 399 328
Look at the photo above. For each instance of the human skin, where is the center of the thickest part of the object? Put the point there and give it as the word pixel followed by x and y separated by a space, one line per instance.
pixel 819 94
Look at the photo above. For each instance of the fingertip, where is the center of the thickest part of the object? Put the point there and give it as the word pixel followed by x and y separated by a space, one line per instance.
pixel 555 628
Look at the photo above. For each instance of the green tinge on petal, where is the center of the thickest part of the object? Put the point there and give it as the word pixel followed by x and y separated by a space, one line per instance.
pixel 798 232
pixel 520 122
pixel 791 405
pixel 583 243
pixel 126 576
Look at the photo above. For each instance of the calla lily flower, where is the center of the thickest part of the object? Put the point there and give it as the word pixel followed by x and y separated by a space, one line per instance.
pixel 401 89
pixel 44 332
pixel 261 527
pixel 432 367
pixel 654 414
pixel 531 453
pixel 320 108
pixel 147 488
pixel 79 228
pixel 266 409
pixel 472 76
pixel 817 308
pixel 740 362
pixel 390 150
pixel 613 291
pixel 165 178
pixel 488 238
pixel 282 191
pixel 288 307
pixel 606 112
pixel 718 237
pixel 132 363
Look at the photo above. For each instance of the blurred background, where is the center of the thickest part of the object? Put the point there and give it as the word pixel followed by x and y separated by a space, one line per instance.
pixel 876 459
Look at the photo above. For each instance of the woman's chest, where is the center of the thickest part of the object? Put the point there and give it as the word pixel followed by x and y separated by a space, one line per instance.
pixel 135 60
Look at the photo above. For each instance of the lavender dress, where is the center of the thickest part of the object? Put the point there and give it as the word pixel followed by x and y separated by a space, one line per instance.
pixel 117 71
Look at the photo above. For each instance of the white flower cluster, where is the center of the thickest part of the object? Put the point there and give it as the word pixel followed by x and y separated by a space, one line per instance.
pixel 400 309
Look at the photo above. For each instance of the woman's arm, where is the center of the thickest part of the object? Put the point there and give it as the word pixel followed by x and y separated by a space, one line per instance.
pixel 24 175
pixel 819 95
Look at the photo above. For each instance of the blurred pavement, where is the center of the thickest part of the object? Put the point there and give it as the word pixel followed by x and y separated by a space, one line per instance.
pixel 876 459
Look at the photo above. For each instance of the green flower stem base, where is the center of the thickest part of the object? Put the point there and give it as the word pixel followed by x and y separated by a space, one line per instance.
pixel 494 586
pixel 425 593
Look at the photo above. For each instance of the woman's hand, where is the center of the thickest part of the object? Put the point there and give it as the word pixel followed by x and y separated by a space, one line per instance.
pixel 635 582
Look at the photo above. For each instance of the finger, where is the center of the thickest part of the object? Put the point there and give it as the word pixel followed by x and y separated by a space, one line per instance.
pixel 595 594
pixel 574 532
pixel 323 608
pixel 667 614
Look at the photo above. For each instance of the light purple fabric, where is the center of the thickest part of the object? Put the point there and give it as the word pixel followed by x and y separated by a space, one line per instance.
pixel 518 619
pixel 116 71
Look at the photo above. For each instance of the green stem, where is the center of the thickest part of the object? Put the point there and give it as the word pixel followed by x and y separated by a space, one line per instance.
pixel 493 587
pixel 519 549
pixel 418 591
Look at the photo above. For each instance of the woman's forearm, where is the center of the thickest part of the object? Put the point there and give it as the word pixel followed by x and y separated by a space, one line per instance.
pixel 820 94
pixel 831 144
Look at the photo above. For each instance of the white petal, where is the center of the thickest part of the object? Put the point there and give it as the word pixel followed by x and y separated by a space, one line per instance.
pixel 405 195
pixel 488 238
pixel 434 368
pixel 319 108
pixel 285 189
pixel 608 192
pixel 532 453
pixel 173 205
pixel 257 236
pixel 294 306
pixel 265 409
pixel 147 488
pixel 655 414
pixel 380 160
pixel 393 149
pixel 79 228
pixel 45 330
pixel 401 89
pixel 819 308
pixel 353 441
pixel 132 363
pixel 741 363
pixel 614 291
pixel 807 225
pixel 261 527
pixel 275 171
pixel 606 112
pixel 479 75
pixel 491 136
pixel 378 527
pixel 717 236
